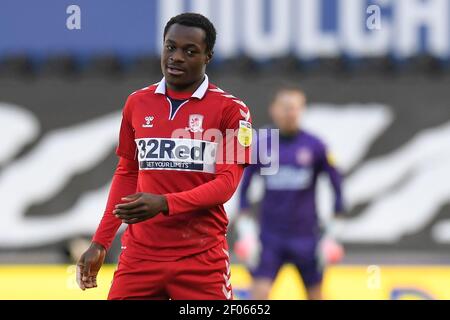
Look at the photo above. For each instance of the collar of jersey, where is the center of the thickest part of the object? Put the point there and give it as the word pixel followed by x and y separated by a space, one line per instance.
pixel 198 94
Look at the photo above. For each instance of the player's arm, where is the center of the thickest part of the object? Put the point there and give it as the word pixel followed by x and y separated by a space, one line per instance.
pixel 329 166
pixel 90 262
pixel 123 183
pixel 244 224
pixel 143 206
pixel 210 194
pixel 244 216
pixel 244 204
pixel 332 250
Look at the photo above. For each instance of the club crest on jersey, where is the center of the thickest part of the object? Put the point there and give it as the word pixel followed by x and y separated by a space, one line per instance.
pixel 304 157
pixel 195 123
pixel 148 122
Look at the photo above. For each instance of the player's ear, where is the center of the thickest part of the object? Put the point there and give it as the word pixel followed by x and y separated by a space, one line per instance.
pixel 209 56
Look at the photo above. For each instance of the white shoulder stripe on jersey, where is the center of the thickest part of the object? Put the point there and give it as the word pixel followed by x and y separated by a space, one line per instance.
pixel 140 90
pixel 230 96
pixel 240 102
pixel 217 90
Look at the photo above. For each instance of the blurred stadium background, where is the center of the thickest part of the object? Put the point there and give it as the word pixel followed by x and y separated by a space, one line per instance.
pixel 377 77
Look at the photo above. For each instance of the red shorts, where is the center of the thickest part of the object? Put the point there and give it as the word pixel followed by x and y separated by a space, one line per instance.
pixel 204 276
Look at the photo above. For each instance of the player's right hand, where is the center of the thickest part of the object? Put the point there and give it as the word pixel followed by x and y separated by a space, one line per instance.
pixel 88 266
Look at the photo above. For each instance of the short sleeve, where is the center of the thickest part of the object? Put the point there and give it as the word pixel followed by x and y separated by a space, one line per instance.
pixel 126 147
pixel 237 132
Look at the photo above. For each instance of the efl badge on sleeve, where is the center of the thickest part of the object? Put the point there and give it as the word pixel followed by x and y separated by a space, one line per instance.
pixel 195 123
pixel 331 159
pixel 245 133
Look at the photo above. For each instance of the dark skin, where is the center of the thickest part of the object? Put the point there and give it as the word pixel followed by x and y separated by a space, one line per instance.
pixel 184 57
pixel 183 63
pixel 88 266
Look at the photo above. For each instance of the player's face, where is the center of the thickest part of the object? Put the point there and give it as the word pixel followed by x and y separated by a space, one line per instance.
pixel 184 57
pixel 287 109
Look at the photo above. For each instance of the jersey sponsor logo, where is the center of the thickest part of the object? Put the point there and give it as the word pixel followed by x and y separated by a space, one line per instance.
pixel 290 178
pixel 148 122
pixel 245 133
pixel 195 123
pixel 176 154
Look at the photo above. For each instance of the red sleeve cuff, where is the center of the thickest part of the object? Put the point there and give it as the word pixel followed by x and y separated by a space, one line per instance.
pixel 101 242
pixel 170 197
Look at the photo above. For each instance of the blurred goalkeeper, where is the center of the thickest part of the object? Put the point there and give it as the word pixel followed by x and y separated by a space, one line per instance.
pixel 289 225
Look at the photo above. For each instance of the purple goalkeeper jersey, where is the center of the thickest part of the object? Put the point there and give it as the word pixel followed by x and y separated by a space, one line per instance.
pixel 288 206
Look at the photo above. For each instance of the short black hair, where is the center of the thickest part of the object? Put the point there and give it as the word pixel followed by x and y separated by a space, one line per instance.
pixel 195 20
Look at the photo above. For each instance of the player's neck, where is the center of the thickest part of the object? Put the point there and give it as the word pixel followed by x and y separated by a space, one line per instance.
pixel 287 134
pixel 178 95
pixel 185 89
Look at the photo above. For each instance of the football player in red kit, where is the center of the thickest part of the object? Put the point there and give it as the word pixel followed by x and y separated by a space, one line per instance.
pixel 182 150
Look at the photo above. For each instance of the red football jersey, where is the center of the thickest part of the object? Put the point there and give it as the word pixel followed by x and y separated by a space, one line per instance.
pixel 177 150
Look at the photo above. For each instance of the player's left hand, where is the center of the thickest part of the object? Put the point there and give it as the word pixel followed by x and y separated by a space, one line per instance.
pixel 140 207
